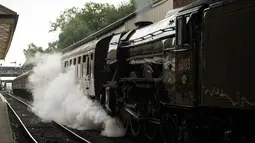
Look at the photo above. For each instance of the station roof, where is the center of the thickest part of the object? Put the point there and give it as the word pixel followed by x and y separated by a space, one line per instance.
pixel 8 22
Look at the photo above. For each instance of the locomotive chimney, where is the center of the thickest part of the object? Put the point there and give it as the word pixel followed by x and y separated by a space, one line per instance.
pixel 141 24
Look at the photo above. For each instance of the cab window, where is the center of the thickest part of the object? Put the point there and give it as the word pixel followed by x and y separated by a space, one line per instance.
pixel 182 33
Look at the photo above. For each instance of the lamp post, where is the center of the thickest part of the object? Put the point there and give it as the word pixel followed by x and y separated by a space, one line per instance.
pixel 14 63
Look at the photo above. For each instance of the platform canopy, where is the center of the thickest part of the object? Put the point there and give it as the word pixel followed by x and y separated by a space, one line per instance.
pixel 8 22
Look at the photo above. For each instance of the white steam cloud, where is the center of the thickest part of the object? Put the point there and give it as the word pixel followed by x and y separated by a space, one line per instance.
pixel 141 4
pixel 59 97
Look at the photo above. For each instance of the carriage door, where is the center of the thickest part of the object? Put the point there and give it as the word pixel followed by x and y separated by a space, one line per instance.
pixel 84 81
pixel 86 75
pixel 91 81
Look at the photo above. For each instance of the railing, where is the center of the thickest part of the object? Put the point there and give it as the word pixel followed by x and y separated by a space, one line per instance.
pixel 12 71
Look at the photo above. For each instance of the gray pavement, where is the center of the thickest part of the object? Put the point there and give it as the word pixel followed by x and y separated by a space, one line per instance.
pixel 5 127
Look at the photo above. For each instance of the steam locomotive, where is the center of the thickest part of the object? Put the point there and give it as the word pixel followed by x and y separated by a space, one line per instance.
pixel 183 79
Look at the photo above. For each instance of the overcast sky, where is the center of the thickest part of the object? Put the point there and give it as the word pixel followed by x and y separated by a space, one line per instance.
pixel 34 23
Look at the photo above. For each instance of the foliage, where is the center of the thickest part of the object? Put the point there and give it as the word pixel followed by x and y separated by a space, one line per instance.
pixel 63 19
pixel 76 24
pixel 32 50
pixel 52 47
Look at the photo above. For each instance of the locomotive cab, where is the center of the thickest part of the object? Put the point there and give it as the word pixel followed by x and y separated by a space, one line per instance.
pixel 181 61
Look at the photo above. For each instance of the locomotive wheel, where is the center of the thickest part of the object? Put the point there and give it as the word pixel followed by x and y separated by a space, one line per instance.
pixel 135 126
pixel 102 99
pixel 125 117
pixel 169 130
pixel 127 123
pixel 150 130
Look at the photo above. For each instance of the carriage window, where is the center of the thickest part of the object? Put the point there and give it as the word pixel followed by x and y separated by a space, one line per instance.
pixel 79 60
pixel 84 58
pixel 91 56
pixel 71 62
pixel 74 61
pixel 88 64
pixel 66 63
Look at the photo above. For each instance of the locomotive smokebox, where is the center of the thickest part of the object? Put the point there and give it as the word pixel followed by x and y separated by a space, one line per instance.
pixel 141 24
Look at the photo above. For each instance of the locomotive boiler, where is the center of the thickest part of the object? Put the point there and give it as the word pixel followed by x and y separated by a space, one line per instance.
pixel 187 78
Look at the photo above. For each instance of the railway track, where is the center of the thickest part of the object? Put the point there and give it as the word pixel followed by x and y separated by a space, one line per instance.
pixel 19 130
pixel 37 131
pixel 82 135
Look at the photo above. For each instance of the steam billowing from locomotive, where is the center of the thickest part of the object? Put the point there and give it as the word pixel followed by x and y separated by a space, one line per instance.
pixel 59 97
pixel 139 4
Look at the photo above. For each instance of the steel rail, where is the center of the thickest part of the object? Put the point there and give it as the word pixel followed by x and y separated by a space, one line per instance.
pixel 81 138
pixel 23 125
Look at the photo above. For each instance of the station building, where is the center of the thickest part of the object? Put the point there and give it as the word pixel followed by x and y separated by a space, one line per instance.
pixel 8 22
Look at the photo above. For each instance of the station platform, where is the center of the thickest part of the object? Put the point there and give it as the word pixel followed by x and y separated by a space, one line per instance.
pixel 5 126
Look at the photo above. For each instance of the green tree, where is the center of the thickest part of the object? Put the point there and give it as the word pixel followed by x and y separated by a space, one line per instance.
pixel 63 19
pixel 75 24
pixel 32 50
pixel 52 47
